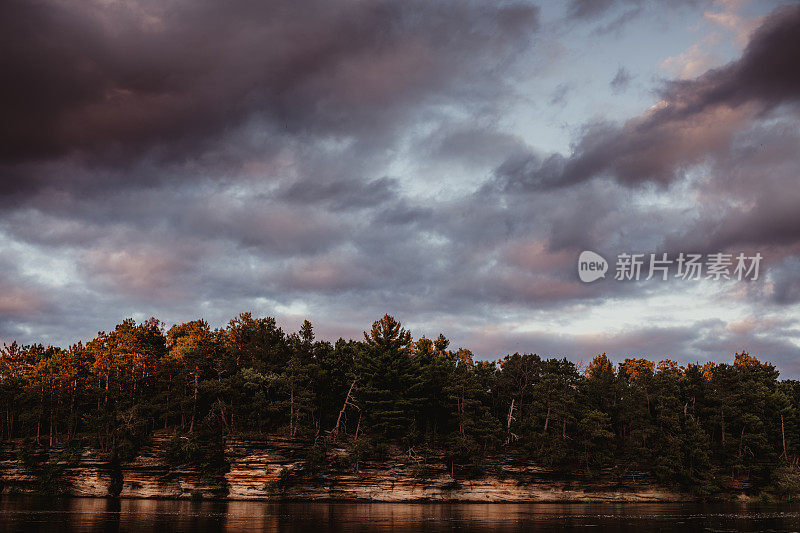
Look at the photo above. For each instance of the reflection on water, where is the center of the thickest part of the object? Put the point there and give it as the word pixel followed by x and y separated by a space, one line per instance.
pixel 78 514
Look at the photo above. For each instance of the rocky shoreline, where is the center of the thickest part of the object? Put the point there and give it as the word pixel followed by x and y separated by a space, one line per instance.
pixel 272 469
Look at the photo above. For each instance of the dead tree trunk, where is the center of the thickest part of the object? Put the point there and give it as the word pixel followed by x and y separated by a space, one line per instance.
pixel 222 414
pixel 461 414
pixel 546 423
pixel 547 419
pixel 335 432
pixel 291 413
pixel 783 439
pixel 509 435
pixel 741 439
pixel 194 403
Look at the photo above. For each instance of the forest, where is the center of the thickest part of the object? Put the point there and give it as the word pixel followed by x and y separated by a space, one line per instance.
pixel 702 428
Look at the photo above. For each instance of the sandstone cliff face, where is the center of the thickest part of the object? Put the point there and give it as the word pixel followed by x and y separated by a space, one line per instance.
pixel 149 476
pixel 88 475
pixel 269 469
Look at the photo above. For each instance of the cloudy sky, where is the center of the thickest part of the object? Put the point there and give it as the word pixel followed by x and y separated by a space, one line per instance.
pixel 443 161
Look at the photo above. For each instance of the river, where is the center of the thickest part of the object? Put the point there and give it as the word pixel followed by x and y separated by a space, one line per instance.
pixel 82 514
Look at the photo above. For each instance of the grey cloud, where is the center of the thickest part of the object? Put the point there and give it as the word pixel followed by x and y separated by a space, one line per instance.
pixel 20 297
pixel 786 281
pixel 696 120
pixel 402 213
pixel 559 95
pixel 582 9
pixel 621 80
pixel 274 228
pixel 470 144
pixel 115 80
pixel 341 194
pixel 269 185
pixel 621 12
pixel 701 341
pixel 766 72
pixel 617 24
pixel 748 203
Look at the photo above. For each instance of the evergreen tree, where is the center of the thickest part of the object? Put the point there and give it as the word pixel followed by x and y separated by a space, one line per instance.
pixel 390 379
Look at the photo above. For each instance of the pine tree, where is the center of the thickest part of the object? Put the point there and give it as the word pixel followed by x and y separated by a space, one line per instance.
pixel 390 379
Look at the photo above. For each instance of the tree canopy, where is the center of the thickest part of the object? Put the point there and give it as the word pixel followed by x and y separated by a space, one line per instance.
pixel 699 427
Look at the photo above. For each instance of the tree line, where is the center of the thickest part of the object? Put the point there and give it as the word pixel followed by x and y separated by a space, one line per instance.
pixel 705 428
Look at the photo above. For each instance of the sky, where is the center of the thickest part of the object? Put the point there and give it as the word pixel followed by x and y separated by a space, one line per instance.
pixel 445 162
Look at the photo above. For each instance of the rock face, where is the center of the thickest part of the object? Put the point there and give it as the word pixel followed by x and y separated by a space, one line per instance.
pixel 149 476
pixel 93 476
pixel 270 469
pixel 87 474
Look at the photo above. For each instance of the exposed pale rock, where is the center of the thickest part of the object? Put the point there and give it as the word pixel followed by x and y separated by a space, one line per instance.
pixel 266 469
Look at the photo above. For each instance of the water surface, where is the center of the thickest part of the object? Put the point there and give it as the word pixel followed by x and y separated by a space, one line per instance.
pixel 83 514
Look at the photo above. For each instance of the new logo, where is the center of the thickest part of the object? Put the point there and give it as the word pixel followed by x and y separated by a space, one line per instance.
pixel 591 266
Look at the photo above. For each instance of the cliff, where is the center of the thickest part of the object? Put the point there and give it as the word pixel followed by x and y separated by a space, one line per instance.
pixel 274 468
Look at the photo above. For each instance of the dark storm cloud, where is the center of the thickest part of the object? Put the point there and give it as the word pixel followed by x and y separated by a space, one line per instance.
pixel 767 71
pixel 130 121
pixel 695 121
pixel 120 79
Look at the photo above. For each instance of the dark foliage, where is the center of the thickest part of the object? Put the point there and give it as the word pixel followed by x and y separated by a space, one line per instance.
pixel 705 428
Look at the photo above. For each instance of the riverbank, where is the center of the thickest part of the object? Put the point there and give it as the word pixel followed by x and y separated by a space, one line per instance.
pixel 278 469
